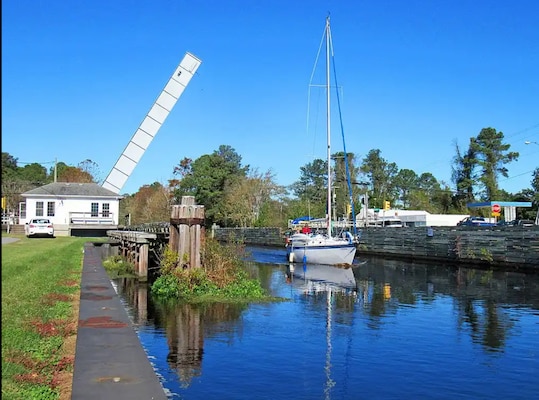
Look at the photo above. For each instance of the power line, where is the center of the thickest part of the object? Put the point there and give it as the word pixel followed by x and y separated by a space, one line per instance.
pixel 35 162
pixel 517 133
pixel 516 176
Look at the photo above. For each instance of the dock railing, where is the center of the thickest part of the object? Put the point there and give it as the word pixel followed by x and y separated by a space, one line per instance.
pixel 89 218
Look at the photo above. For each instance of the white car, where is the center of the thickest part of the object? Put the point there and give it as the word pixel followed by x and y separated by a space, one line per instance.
pixel 39 227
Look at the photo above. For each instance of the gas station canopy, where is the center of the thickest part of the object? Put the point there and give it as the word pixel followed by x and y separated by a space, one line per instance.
pixel 509 208
pixel 500 203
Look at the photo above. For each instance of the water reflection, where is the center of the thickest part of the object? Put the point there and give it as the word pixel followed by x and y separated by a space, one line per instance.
pixel 482 299
pixel 185 325
pixel 341 320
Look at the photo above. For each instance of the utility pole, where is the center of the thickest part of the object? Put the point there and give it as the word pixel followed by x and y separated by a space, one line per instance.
pixel 55 169
pixel 366 221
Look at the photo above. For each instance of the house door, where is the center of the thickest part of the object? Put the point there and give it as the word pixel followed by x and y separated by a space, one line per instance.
pixel 22 212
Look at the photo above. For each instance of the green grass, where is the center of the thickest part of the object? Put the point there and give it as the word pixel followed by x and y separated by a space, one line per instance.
pixel 40 280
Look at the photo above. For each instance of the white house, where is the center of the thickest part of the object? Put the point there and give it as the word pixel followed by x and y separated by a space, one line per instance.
pixel 73 207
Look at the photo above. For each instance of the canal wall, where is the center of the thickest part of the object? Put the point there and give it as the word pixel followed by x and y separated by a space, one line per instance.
pixel 252 236
pixel 506 247
pixel 510 247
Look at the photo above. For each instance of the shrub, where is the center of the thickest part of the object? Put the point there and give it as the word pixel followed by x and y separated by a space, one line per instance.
pixel 117 266
pixel 222 277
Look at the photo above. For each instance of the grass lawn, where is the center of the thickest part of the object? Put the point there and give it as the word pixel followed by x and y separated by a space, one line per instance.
pixel 40 304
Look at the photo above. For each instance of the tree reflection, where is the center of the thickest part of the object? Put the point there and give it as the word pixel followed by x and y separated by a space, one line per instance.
pixel 187 325
pixel 478 295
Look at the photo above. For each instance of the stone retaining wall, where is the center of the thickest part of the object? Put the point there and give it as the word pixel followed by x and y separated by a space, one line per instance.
pixel 253 236
pixel 506 247
pixel 512 247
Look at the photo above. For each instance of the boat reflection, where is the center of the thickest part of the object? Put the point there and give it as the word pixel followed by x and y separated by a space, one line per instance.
pixel 321 278
pixel 335 284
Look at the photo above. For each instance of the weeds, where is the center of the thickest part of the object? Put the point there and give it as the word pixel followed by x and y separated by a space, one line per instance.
pixel 117 266
pixel 221 278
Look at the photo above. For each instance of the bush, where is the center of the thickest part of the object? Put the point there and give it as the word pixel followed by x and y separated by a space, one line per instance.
pixel 222 277
pixel 116 267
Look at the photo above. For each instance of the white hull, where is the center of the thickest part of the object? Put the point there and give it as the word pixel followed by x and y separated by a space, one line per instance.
pixel 322 277
pixel 320 249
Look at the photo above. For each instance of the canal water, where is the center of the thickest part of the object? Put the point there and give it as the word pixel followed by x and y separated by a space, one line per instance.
pixel 381 330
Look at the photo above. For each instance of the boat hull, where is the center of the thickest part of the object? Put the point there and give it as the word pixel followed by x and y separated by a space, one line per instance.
pixel 319 249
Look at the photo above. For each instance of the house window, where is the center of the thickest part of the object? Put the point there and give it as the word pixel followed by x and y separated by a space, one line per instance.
pixel 39 208
pixel 106 210
pixel 50 209
pixel 95 210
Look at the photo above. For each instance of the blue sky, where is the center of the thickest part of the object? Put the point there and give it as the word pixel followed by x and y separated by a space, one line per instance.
pixel 417 76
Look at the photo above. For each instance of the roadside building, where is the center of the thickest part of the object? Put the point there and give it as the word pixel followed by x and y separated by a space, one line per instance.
pixel 75 209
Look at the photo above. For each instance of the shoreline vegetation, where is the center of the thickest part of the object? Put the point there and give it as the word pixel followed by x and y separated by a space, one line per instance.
pixel 222 278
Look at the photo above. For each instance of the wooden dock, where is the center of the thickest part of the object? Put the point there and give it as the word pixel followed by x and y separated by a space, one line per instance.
pixel 184 234
pixel 134 246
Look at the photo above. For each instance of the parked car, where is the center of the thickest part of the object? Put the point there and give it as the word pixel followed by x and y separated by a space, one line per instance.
pixel 475 221
pixel 505 223
pixel 39 227
pixel 517 222
pixel 523 222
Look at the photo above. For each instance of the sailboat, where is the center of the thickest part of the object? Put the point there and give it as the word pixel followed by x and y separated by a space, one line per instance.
pixel 317 248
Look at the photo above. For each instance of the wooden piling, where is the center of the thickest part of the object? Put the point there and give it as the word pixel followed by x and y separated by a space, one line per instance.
pixel 187 232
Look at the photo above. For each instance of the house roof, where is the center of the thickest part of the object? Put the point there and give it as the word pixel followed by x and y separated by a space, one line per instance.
pixel 66 189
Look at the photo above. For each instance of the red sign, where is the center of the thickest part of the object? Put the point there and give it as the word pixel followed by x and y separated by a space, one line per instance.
pixel 496 208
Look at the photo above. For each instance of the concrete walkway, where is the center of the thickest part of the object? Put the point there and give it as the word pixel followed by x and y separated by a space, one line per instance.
pixel 6 240
pixel 110 362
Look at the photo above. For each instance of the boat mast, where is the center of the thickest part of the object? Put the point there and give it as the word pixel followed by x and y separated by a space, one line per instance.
pixel 329 199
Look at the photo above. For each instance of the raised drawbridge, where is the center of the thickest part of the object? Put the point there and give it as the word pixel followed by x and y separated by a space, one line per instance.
pixel 151 124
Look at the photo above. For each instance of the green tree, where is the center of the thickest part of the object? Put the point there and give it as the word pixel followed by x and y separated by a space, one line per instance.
pixel 9 166
pixel 206 179
pixel 151 203
pixel 406 181
pixel 246 197
pixel 311 190
pixel 56 170
pixel 17 180
pixel 380 174
pixel 34 173
pixel 345 182
pixel 463 175
pixel 441 198
pixel 535 184
pixel 492 156
pixel 274 211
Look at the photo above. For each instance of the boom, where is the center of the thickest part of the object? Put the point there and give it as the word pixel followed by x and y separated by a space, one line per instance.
pixel 151 124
